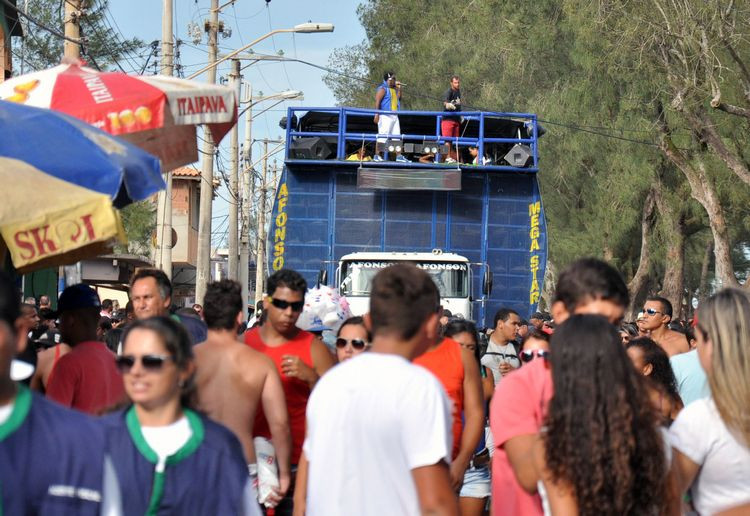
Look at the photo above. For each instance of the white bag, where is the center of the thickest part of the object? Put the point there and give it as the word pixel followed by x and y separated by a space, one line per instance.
pixel 268 470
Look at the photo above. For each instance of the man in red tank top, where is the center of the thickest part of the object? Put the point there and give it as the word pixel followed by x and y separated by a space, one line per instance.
pixel 300 357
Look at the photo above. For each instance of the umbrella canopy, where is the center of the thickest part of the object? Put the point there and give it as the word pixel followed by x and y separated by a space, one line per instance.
pixel 157 113
pixel 62 181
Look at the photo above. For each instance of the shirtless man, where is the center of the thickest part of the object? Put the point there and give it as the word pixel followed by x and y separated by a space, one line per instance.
pixel 658 312
pixel 299 356
pixel 233 379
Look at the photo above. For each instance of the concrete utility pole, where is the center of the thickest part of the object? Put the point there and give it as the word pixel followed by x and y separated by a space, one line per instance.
pixel 248 183
pixel 260 260
pixel 234 83
pixel 163 258
pixel 203 267
pixel 72 29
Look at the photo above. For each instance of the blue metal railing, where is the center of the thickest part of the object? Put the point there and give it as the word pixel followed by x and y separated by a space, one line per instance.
pixel 527 121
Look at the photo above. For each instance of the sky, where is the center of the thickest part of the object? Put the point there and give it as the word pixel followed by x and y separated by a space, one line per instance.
pixel 249 20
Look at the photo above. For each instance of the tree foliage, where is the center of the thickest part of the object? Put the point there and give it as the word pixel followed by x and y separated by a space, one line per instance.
pixel 620 87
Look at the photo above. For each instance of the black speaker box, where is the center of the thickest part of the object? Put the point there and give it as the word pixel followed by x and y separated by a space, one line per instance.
pixel 311 148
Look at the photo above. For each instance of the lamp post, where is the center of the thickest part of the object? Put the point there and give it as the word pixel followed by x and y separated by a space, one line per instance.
pixel 203 266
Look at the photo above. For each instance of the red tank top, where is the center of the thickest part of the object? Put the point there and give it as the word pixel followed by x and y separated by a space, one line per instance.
pixel 445 363
pixel 296 391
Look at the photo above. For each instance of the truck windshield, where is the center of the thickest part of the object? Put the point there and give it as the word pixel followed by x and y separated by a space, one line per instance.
pixel 452 279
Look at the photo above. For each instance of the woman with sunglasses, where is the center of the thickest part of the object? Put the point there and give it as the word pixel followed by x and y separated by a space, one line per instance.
pixel 535 345
pixel 351 339
pixel 600 451
pixel 711 436
pixel 167 457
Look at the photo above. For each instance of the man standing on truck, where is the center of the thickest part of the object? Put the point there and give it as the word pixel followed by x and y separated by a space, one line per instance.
pixel 388 98
pixel 450 124
pixel 299 356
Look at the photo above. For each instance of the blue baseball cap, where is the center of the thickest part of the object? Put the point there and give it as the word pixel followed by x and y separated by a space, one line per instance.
pixel 78 296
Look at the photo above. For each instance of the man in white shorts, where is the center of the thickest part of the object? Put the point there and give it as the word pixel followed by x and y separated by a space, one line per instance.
pixel 388 98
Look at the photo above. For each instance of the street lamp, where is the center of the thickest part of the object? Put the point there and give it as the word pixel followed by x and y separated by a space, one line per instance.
pixel 203 268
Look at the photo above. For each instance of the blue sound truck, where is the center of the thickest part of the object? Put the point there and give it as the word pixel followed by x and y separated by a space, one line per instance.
pixel 477 226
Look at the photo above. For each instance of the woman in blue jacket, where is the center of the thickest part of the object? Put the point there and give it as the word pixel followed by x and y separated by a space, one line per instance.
pixel 168 458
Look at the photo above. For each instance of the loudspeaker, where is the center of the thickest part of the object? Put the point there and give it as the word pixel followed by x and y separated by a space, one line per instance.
pixel 519 155
pixel 311 148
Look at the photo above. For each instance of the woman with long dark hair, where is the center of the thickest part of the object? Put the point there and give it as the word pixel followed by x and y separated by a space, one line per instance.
pixel 167 457
pixel 601 451
pixel 711 436
pixel 653 362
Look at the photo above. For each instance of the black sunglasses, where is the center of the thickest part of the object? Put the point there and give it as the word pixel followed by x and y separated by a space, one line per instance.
pixel 651 311
pixel 283 305
pixel 149 362
pixel 357 344
pixel 529 354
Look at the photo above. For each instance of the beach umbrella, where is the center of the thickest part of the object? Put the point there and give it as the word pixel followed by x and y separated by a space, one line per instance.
pixel 156 112
pixel 62 182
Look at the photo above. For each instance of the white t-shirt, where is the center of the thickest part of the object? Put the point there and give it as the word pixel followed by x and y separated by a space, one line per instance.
pixel 496 355
pixel 166 440
pixel 724 478
pixel 370 421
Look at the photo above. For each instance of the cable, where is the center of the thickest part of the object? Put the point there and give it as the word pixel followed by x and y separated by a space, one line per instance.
pixel 40 24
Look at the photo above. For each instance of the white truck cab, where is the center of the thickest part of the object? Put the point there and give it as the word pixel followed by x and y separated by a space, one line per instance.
pixel 450 272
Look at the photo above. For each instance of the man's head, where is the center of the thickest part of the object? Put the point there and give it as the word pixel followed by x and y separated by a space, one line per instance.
pixel 657 312
pixel 455 82
pixel 78 309
pixel 107 306
pixel 507 322
pixel 150 293
pixel 29 317
pixel 223 302
pixel 48 317
pixel 390 79
pixel 446 317
pixel 523 328
pixel 590 286
pixel 537 319
pixel 405 305
pixel 11 340
pixel 286 297
pixel 44 302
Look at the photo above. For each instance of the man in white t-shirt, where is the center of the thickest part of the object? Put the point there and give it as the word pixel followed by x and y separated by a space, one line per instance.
pixel 501 356
pixel 379 428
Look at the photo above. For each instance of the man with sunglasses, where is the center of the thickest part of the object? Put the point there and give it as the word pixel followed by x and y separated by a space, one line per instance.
pixel 299 356
pixel 519 405
pixel 233 380
pixel 85 379
pixel 657 313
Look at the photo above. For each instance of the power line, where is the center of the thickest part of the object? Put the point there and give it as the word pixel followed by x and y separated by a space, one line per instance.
pixel 40 24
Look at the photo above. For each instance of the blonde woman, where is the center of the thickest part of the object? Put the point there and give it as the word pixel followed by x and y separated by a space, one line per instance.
pixel 710 437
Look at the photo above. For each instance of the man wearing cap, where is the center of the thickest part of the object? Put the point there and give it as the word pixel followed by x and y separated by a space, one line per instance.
pixel 85 379
pixel 388 98
pixel 51 459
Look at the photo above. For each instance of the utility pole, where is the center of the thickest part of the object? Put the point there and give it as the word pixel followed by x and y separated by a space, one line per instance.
pixel 163 258
pixel 247 200
pixel 234 83
pixel 203 267
pixel 72 29
pixel 260 260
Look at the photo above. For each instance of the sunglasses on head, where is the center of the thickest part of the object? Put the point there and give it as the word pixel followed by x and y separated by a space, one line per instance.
pixel 651 311
pixel 357 344
pixel 529 354
pixel 148 362
pixel 283 305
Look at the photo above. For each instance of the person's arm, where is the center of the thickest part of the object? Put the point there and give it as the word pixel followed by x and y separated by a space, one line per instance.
pixel 473 416
pixel 300 487
pixel 434 491
pixel 274 409
pixel 446 101
pixel 684 471
pixel 398 90
pixel 488 384
pixel 520 450
pixel 560 497
pixel 378 99
pixel 321 357
pixel 294 366
pixel 62 385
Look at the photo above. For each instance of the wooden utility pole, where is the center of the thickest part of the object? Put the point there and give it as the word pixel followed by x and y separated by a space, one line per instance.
pixel 234 83
pixel 203 267
pixel 163 258
pixel 248 187
pixel 72 29
pixel 260 259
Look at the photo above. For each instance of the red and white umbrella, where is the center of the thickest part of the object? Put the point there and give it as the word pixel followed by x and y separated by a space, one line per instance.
pixel 157 113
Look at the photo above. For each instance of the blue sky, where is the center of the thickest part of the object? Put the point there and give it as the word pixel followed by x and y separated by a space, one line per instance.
pixel 248 20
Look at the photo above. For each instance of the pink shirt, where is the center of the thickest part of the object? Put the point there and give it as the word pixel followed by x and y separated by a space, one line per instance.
pixel 518 408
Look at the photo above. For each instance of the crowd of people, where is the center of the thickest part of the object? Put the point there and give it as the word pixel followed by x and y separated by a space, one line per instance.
pixel 409 411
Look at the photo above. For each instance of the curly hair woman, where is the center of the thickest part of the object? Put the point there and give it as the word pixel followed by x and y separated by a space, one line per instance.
pixel 653 362
pixel 601 451
pixel 711 436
